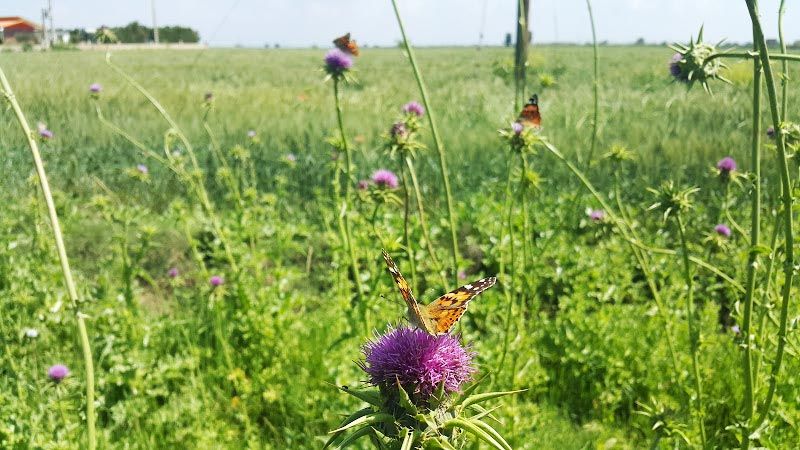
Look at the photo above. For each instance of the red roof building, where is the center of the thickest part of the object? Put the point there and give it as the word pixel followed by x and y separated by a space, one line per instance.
pixel 13 26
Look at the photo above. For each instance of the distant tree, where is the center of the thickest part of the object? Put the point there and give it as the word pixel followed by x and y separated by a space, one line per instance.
pixel 178 34
pixel 508 41
pixel 640 41
pixel 106 35
pixel 135 32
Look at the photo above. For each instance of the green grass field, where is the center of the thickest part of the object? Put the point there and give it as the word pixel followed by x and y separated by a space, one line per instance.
pixel 254 363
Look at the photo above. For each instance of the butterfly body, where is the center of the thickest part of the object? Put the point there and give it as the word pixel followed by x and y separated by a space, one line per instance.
pixel 530 115
pixel 439 316
pixel 347 45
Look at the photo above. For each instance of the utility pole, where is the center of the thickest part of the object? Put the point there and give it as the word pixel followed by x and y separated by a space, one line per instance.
pixel 52 38
pixel 155 24
pixel 44 27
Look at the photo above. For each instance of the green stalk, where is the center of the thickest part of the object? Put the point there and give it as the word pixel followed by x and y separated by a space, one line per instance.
pixel 344 210
pixel 451 216
pixel 788 268
pixel 752 258
pixel 525 234
pixel 62 256
pixel 784 63
pixel 521 55
pixel 595 86
pixel 694 332
pixel 753 55
pixel 406 228
pixel 423 222
pixel 508 287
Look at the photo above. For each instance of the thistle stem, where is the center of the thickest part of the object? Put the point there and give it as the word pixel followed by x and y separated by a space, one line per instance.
pixel 62 256
pixel 407 226
pixel 422 221
pixel 451 216
pixel 595 86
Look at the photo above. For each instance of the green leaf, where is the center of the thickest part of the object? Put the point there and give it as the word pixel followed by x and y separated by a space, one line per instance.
pixel 351 438
pixel 468 391
pixel 366 420
pixel 483 412
pixel 471 428
pixel 352 417
pixel 408 440
pixel 405 400
pixel 370 396
pixel 492 432
pixel 478 398
pixel 438 443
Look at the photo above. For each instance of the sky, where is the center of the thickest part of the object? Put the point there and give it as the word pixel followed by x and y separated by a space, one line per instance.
pixel 303 23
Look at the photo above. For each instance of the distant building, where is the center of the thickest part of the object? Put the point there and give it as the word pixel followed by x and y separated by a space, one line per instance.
pixel 16 29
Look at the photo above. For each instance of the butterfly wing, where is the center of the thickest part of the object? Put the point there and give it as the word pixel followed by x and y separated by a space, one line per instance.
pixel 530 115
pixel 445 311
pixel 414 312
pixel 345 44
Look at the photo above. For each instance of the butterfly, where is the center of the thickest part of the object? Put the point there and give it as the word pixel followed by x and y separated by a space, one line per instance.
pixel 530 116
pixel 346 44
pixel 439 316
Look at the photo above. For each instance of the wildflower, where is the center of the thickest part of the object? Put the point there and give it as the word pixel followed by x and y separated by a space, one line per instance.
pixel 209 97
pixel 385 178
pixel 44 133
pixel 173 272
pixel 291 157
pixel 462 275
pixel 57 372
pixel 726 165
pixel 216 281
pixel 415 108
pixel 142 169
pixel 597 215
pixel 771 132
pixel 695 62
pixel 517 128
pixel 735 329
pixel 337 62
pixel 31 333
pixel 95 88
pixel 399 130
pixel 251 134
pixel 417 360
pixel 363 185
pixel 675 68
pixel 723 230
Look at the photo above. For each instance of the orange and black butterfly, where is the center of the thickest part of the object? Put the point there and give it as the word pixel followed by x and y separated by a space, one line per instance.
pixel 439 316
pixel 530 116
pixel 346 44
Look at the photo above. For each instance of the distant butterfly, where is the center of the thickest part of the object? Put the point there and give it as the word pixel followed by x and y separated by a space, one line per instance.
pixel 530 116
pixel 439 316
pixel 346 44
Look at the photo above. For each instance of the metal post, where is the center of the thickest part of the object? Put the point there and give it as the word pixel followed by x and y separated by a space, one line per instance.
pixel 155 24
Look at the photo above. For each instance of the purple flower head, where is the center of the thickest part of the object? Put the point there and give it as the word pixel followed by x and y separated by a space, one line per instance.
pixel 251 134
pixel 208 97
pixel 726 165
pixel 57 372
pixel 723 230
pixel 415 108
pixel 173 272
pixel 597 215
pixel 399 130
pixel 142 169
pixel 363 185
pixel 216 280
pixel 517 128
pixel 675 68
pixel 736 329
pixel 462 275
pixel 385 178
pixel 95 88
pixel 419 361
pixel 44 133
pixel 771 132
pixel 337 61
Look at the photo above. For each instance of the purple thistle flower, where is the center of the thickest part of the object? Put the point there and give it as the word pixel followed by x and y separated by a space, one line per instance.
pixel 57 372
pixel 675 68
pixel 385 178
pixel 415 108
pixel 142 169
pixel 95 88
pixel 726 165
pixel 216 281
pixel 597 215
pixel 44 133
pixel 736 329
pixel 173 272
pixel 363 185
pixel 418 360
pixel 462 275
pixel 517 128
pixel 771 132
pixel 251 134
pixel 399 130
pixel 723 230
pixel 337 61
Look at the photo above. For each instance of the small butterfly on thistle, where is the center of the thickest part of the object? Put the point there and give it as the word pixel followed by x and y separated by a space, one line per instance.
pixel 530 116
pixel 439 316
pixel 347 45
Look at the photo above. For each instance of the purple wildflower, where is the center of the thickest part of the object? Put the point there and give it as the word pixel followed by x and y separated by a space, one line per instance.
pixel 418 360
pixel 597 215
pixel 517 128
pixel 735 329
pixel 95 88
pixel 771 132
pixel 251 134
pixel 363 185
pixel 57 372
pixel 216 280
pixel 142 169
pixel 399 130
pixel 675 68
pixel 726 165
pixel 337 61
pixel 723 230
pixel 462 275
pixel 44 133
pixel 385 178
pixel 173 272
pixel 415 108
